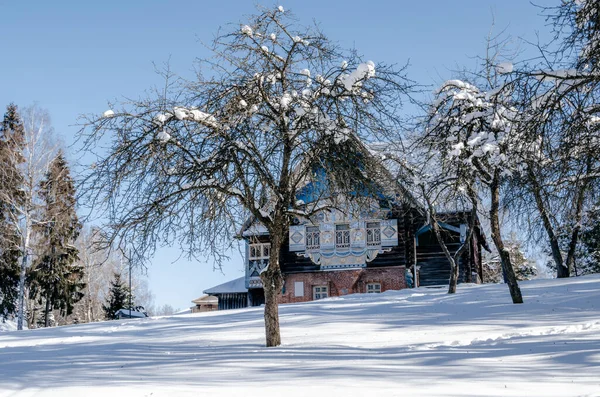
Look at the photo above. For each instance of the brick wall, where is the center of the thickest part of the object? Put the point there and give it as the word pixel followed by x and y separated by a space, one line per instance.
pixel 341 282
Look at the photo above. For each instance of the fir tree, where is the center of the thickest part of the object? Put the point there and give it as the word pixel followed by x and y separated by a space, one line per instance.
pixel 55 278
pixel 118 298
pixel 589 252
pixel 11 143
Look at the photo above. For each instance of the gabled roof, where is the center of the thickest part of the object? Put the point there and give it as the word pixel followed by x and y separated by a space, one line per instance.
pixel 231 287
pixel 206 299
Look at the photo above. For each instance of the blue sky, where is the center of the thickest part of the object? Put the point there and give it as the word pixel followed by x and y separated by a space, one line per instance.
pixel 72 57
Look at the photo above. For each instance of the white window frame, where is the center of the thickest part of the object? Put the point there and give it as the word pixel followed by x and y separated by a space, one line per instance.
pixel 261 251
pixel 320 292
pixel 313 238
pixel 373 288
pixel 342 235
pixel 373 233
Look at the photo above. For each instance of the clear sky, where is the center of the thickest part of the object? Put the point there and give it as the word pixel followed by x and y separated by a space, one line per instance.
pixel 74 56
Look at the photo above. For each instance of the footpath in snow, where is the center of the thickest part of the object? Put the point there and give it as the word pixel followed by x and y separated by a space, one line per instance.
pixel 420 342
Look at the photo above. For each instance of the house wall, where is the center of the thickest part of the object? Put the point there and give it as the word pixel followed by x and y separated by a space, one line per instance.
pixel 342 282
pixel 434 268
pixel 229 301
pixel 204 308
pixel 428 255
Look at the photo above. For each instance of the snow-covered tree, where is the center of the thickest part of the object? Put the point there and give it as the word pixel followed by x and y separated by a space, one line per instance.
pixel 475 133
pixel 274 104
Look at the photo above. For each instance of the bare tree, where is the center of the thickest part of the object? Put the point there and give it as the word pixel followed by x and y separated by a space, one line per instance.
pixel 94 262
pixel 194 162
pixel 165 310
pixel 558 102
pixel 432 194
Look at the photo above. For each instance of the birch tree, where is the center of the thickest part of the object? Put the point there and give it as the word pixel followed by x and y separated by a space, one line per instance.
pixel 29 154
pixel 197 160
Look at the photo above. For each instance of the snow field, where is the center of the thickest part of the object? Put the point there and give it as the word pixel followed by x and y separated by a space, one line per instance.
pixel 420 342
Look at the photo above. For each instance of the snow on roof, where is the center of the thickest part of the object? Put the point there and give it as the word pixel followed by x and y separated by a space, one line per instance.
pixel 231 287
pixel 206 299
pixel 131 313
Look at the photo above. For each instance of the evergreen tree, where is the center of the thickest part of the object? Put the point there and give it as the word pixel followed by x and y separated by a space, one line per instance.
pixel 524 268
pixel 55 278
pixel 118 298
pixel 589 253
pixel 11 144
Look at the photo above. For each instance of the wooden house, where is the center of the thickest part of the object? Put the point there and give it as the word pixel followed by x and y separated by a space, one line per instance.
pixel 388 246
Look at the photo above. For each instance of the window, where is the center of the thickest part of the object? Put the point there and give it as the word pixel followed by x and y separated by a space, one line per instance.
pixel 342 235
pixel 298 288
pixel 313 239
pixel 320 292
pixel 373 288
pixel 373 233
pixel 259 251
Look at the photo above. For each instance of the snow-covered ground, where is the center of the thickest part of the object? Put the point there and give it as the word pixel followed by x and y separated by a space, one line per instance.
pixel 403 343
pixel 7 325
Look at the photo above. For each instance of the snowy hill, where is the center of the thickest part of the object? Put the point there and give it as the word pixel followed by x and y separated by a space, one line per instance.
pixel 419 342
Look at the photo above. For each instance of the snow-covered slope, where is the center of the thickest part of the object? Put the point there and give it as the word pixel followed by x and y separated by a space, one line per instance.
pixel 404 343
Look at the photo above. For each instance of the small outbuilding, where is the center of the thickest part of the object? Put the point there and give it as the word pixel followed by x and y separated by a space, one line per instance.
pixel 205 303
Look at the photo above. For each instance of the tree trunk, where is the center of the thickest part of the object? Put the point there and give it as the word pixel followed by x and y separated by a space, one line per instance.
pixel 570 262
pixel 272 283
pixel 47 313
pixel 453 263
pixel 21 309
pixel 453 260
pixel 561 270
pixel 24 264
pixel 507 268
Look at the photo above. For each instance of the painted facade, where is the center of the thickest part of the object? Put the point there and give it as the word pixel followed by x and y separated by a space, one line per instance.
pixel 334 254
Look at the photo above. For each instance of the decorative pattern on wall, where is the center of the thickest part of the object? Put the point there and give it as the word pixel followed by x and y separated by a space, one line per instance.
pixel 348 244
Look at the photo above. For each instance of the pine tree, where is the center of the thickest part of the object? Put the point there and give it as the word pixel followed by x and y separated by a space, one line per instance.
pixel 11 144
pixel 55 278
pixel 118 298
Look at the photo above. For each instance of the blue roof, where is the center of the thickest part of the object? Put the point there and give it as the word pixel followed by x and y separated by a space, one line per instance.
pixel 231 287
